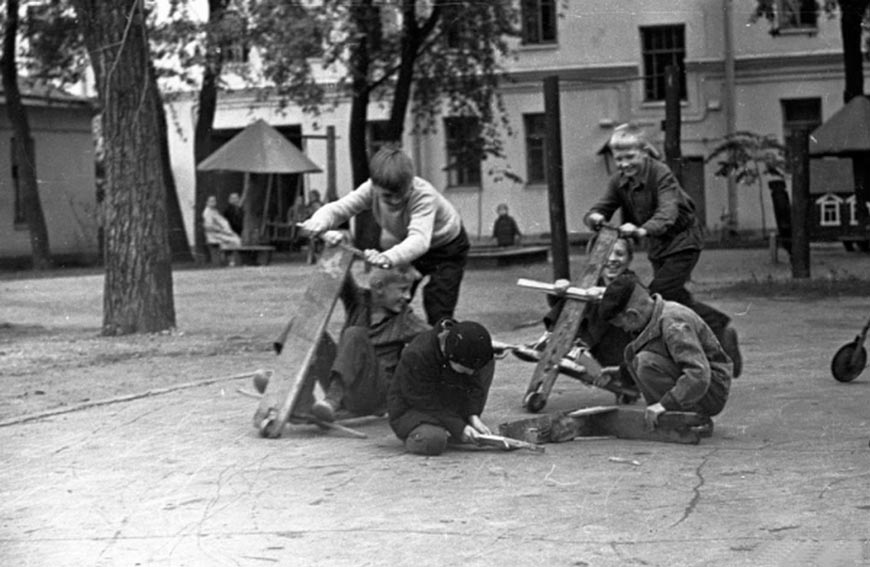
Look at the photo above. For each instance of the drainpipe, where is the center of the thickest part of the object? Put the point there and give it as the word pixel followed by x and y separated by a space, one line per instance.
pixel 730 104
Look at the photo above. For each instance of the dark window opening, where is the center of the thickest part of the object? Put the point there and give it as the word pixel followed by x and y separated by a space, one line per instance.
pixel 536 148
pixel 539 21
pixel 462 136
pixel 662 46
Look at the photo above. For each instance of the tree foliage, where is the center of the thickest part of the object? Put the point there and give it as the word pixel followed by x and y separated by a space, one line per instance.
pixel 428 58
pixel 749 158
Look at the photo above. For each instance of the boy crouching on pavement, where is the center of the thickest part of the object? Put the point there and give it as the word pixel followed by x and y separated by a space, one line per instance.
pixel 440 387
pixel 675 359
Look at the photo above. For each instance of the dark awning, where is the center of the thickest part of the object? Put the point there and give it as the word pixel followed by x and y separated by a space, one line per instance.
pixel 844 133
pixel 259 148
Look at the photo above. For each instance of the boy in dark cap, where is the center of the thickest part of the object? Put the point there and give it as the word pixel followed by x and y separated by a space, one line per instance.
pixel 440 387
pixel 674 357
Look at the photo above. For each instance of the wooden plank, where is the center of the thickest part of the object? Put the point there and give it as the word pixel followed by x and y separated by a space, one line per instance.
pixel 573 292
pixel 610 422
pixel 673 427
pixel 594 410
pixel 508 443
pixel 299 351
pixel 565 330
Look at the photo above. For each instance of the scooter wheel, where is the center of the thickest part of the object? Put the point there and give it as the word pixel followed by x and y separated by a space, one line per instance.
pixel 842 366
pixel 534 402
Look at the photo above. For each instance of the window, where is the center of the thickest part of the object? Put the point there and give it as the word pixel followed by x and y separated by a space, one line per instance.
pixel 233 48
pixel 235 53
pixel 539 21
pixel 800 114
pixel 796 15
pixel 662 46
pixel 19 215
pixel 536 148
pixel 376 135
pixel 853 210
pixel 829 210
pixel 462 135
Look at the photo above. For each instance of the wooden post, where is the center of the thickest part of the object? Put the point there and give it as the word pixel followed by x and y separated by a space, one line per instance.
pixel 799 158
pixel 331 184
pixel 555 185
pixel 673 155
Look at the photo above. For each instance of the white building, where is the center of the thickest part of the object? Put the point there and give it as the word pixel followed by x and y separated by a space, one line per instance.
pixel 610 60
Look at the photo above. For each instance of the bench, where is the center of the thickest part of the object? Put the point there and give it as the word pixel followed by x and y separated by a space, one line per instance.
pixel 244 255
pixel 487 256
pixel 851 241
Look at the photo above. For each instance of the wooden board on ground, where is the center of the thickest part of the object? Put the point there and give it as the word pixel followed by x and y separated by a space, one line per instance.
pixel 610 421
pixel 299 352
pixel 565 330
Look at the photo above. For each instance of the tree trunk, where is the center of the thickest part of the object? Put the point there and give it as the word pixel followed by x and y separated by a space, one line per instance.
pixel 366 230
pixel 412 37
pixel 851 18
pixel 25 155
pixel 137 294
pixel 205 121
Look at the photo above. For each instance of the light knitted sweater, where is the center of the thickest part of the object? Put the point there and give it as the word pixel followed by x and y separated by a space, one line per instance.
pixel 428 220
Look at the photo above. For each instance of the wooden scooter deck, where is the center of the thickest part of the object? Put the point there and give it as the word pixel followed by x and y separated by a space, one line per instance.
pixel 565 330
pixel 686 428
pixel 300 347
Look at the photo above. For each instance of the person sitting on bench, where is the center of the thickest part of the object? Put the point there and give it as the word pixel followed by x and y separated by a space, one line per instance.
pixel 674 357
pixel 440 387
pixel 216 226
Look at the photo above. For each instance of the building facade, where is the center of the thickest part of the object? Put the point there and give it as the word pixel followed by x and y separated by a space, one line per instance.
pixel 61 127
pixel 610 60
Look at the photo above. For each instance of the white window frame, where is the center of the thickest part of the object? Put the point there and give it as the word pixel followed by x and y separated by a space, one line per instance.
pixel 829 207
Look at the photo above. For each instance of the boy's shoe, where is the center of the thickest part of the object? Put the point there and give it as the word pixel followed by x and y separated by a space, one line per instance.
pixel 541 343
pixel 324 410
pixel 261 380
pixel 732 349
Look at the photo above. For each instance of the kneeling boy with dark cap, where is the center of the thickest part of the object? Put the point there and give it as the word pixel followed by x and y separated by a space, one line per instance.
pixel 674 357
pixel 440 387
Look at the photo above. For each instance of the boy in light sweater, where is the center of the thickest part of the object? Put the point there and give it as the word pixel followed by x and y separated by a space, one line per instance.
pixel 418 224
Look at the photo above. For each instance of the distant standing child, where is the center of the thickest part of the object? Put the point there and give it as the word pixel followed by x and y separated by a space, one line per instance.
pixel 440 387
pixel 505 229
pixel 418 226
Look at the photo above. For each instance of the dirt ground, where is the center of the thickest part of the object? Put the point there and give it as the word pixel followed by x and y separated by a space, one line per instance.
pixel 181 478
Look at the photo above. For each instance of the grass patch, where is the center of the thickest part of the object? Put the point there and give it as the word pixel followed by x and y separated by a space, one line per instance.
pixel 837 283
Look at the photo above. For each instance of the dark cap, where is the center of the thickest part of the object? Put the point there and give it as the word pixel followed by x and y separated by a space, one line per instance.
pixel 616 297
pixel 468 343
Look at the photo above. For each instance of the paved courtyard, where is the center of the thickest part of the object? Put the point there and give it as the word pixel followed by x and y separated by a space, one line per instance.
pixel 181 478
